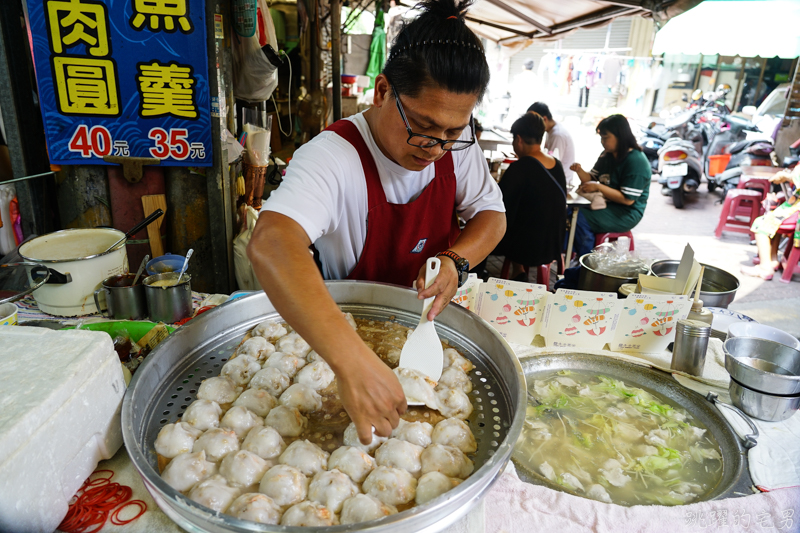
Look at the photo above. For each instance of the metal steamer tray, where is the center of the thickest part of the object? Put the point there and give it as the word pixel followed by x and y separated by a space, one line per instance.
pixel 735 479
pixel 168 380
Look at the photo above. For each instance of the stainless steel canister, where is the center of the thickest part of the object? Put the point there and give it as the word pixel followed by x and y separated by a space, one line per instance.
pixel 169 303
pixel 691 343
pixel 124 300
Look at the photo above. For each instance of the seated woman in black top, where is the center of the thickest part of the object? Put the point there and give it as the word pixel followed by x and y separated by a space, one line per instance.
pixel 535 199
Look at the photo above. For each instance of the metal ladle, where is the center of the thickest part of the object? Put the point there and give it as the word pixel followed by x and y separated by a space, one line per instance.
pixel 185 265
pixel 141 269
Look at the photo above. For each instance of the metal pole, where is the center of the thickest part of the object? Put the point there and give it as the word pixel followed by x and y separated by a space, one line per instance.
pixel 336 56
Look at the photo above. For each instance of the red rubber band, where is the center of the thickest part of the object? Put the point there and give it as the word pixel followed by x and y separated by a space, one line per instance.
pixel 74 517
pixel 115 515
pixel 98 471
pixel 452 17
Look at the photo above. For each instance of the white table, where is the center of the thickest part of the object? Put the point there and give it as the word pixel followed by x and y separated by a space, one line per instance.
pixel 490 139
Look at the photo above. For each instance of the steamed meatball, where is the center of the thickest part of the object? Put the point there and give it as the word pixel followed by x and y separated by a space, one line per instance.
pixel 363 508
pixel 351 439
pixel 258 401
pixel 453 358
pixel 214 493
pixel 454 378
pixel 432 485
pixel 418 433
pixel 316 375
pixel 218 389
pixel 265 442
pixel 287 363
pixel 188 469
pixel 448 460
pixel 305 456
pixel 391 485
pixel 454 403
pixel 309 514
pixel 241 420
pixel 401 454
pixel 456 433
pixel 243 468
pixel 217 443
pixel 313 357
pixel 240 370
pixel 271 380
pixel 256 347
pixel 352 461
pixel 417 386
pixel 286 485
pixel 175 439
pixel 202 414
pixel 331 489
pixel 256 508
pixel 301 397
pixel 293 344
pixel 288 422
pixel 270 330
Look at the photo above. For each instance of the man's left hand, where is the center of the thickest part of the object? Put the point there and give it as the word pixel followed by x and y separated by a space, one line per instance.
pixel 443 288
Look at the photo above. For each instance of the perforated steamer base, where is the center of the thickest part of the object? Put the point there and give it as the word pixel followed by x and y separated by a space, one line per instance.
pixel 168 381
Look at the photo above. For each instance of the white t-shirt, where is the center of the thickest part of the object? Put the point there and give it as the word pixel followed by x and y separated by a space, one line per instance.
pixel 558 138
pixel 325 191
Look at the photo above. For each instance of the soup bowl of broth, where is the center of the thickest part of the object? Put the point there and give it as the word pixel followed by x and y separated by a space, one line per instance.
pixel 620 433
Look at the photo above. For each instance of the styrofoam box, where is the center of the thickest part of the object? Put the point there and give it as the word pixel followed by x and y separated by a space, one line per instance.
pixel 60 399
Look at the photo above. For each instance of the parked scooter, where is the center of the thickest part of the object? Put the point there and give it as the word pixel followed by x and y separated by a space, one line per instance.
pixel 731 138
pixel 681 169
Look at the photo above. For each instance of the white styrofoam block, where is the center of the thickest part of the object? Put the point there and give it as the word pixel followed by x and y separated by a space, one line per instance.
pixel 60 399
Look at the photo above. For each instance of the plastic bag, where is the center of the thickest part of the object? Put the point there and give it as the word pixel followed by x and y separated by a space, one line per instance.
pixel 245 276
pixel 7 240
pixel 255 78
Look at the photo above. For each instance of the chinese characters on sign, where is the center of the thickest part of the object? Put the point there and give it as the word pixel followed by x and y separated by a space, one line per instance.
pixel 126 78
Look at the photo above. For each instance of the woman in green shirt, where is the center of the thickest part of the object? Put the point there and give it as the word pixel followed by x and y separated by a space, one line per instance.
pixel 622 174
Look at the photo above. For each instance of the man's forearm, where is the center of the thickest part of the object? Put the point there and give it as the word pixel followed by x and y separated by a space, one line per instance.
pixel 480 236
pixel 286 270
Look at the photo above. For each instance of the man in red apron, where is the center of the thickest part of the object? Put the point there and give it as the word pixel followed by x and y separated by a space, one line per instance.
pixel 379 193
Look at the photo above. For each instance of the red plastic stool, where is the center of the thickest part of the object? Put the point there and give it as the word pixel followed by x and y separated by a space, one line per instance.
pixel 739 201
pixel 542 271
pixel 600 238
pixel 755 184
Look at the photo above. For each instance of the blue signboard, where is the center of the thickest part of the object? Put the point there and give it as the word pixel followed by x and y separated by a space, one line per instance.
pixel 123 78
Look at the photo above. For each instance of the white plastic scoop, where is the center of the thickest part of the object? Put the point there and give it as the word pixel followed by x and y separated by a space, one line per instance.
pixel 423 350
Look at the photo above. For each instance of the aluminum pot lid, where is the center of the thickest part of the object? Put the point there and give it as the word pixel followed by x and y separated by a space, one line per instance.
pixel 17 280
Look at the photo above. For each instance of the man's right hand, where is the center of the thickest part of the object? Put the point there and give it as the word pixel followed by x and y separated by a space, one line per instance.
pixel 371 395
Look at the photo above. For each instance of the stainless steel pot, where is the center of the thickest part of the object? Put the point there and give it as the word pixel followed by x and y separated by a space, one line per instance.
pixel 592 280
pixel 168 380
pixel 718 289
pixel 763 365
pixel 735 477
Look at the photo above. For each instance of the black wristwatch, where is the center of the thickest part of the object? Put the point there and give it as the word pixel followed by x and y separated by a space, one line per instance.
pixel 462 265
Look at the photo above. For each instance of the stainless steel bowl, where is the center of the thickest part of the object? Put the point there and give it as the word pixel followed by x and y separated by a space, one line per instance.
pixel 168 379
pixel 761 405
pixel 718 289
pixel 735 477
pixel 592 280
pixel 763 365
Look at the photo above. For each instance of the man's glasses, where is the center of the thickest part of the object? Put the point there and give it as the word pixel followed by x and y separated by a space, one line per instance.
pixel 426 141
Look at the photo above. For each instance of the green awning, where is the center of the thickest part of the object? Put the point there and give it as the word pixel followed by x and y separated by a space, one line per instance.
pixel 747 28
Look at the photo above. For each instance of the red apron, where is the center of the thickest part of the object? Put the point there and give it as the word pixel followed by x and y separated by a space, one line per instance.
pixel 401 237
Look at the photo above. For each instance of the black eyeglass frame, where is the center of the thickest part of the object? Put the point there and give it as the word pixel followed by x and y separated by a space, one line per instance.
pixel 436 140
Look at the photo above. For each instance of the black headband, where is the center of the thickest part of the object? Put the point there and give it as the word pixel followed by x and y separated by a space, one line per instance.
pixel 397 51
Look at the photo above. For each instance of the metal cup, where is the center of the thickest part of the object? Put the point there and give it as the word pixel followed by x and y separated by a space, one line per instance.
pixel 123 299
pixel 170 303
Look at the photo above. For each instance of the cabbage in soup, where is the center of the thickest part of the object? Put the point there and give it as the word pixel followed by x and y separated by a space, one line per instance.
pixel 606 440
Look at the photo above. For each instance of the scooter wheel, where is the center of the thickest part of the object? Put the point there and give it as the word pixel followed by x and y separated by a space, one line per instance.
pixel 678 197
pixel 711 186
